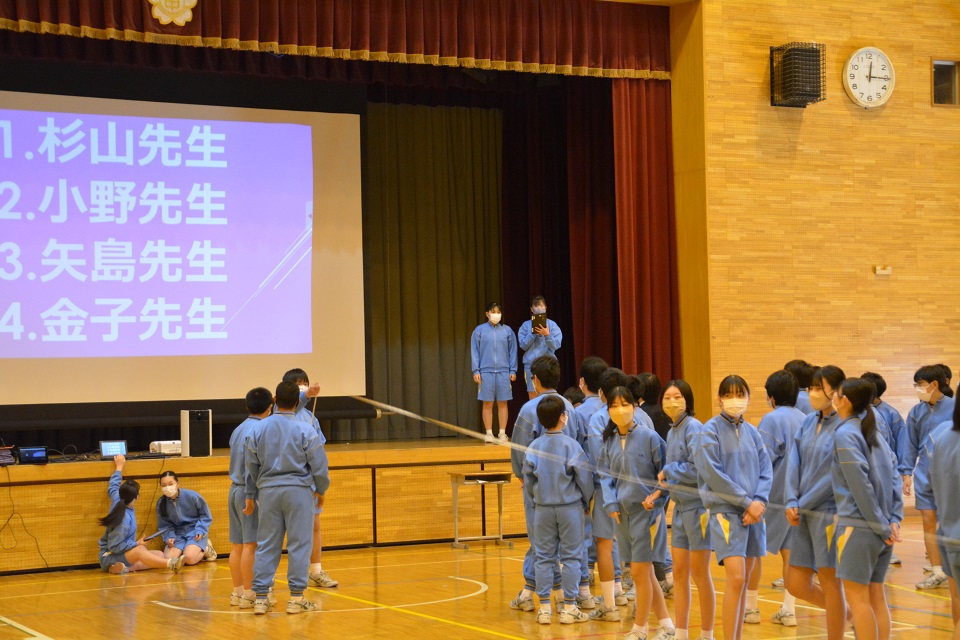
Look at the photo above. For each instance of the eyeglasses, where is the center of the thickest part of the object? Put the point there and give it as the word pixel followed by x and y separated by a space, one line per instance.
pixel 920 387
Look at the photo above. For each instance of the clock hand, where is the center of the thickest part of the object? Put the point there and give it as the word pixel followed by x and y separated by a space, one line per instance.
pixel 870 72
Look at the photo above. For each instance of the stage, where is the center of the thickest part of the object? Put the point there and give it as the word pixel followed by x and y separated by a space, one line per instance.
pixel 381 493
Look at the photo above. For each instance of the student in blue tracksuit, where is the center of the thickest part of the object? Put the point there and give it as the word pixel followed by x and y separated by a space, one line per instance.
pixel 318 577
pixel 735 476
pixel 546 375
pixel 493 360
pixel 184 519
pixel 558 479
pixel 690 533
pixel 120 551
pixel 934 408
pixel 592 370
pixel 869 506
pixel 811 506
pixel 607 556
pixel 896 438
pixel 288 476
pixel 943 452
pixel 542 341
pixel 243 527
pixel 630 462
pixel 779 429
pixel 803 371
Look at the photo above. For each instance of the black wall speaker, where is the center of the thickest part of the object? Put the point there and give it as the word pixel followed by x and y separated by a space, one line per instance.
pixel 196 433
pixel 798 74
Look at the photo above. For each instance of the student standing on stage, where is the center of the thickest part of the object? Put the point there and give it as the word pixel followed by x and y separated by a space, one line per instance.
pixel 735 478
pixel 811 506
pixel 537 341
pixel 318 577
pixel 493 357
pixel 933 409
pixel 630 462
pixel 287 473
pixel 943 447
pixel 559 481
pixel 779 429
pixel 120 551
pixel 243 526
pixel 184 518
pixel 545 372
pixel 690 533
pixel 869 506
pixel 803 371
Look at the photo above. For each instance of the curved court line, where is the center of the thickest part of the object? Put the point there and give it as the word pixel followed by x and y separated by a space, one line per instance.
pixel 482 589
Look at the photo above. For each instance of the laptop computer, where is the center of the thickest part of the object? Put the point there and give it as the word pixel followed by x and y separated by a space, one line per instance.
pixel 111 448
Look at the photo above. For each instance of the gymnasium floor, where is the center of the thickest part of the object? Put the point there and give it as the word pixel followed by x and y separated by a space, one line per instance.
pixel 425 592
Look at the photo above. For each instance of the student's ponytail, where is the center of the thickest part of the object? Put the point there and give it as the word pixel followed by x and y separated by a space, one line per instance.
pixel 860 393
pixel 129 491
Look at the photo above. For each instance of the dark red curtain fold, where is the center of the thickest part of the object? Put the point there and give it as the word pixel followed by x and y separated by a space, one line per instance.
pixel 592 221
pixel 646 228
pixel 570 37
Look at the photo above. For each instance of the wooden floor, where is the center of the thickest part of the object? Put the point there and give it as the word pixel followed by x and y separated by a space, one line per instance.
pixel 423 592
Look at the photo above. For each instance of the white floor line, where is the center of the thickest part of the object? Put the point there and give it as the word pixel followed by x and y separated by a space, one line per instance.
pixel 27 630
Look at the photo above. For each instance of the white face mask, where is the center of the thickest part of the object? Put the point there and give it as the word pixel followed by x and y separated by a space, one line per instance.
pixel 303 388
pixel 537 310
pixel 621 416
pixel 170 490
pixel 734 407
pixel 674 408
pixel 495 318
pixel 819 400
pixel 925 393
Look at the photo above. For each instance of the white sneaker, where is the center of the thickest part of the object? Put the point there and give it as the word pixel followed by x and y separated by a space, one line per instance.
pixel 895 560
pixel 933 581
pixel 502 438
pixel 321 579
pixel 605 614
pixel 522 604
pixel 620 599
pixel 175 564
pixel 545 617
pixel 586 602
pixel 301 606
pixel 667 587
pixel 570 616
pixel 271 599
pixel 249 603
pixel 210 555
pixel 235 599
pixel 752 616
pixel 665 633
pixel 489 439
pixel 785 618
pixel 928 568
pixel 631 594
pixel 778 583
pixel 635 635
pixel 260 607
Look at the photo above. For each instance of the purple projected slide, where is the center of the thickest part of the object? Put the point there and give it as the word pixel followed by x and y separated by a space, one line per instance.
pixel 130 236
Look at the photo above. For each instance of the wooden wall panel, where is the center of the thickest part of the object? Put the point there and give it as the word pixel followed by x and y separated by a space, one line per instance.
pixel 415 503
pixel 802 203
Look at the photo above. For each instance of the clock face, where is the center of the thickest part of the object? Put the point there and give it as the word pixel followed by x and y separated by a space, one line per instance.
pixel 868 77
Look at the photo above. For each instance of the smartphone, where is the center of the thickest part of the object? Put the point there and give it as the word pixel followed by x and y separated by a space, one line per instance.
pixel 538 320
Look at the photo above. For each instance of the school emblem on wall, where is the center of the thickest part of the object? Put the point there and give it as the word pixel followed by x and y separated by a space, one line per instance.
pixel 175 11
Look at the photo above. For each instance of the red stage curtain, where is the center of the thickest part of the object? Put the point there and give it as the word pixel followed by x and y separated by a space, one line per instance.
pixel 592 221
pixel 569 37
pixel 646 228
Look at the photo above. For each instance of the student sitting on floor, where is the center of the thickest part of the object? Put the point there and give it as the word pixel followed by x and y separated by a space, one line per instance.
pixel 120 551
pixel 184 518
